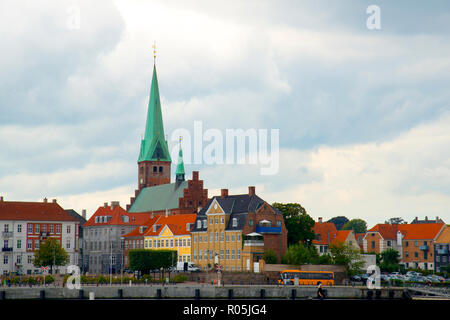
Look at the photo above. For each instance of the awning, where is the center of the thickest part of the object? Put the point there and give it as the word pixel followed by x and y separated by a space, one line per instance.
pixel 254 234
pixel 264 221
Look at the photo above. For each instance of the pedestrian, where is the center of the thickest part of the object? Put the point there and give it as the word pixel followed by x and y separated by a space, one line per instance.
pixel 320 293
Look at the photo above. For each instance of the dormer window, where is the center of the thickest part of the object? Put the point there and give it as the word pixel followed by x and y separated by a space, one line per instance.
pixel 188 226
pixel 125 219
pixel 205 223
pixel 199 224
pixel 234 223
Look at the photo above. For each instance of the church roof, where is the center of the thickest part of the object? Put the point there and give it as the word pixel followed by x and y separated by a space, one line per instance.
pixel 154 146
pixel 161 197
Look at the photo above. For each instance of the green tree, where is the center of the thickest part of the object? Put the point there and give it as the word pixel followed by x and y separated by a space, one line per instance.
pixel 298 223
pixel 50 253
pixel 299 253
pixel 346 255
pixel 395 220
pixel 339 221
pixel 389 260
pixel 357 225
pixel 147 260
pixel 270 256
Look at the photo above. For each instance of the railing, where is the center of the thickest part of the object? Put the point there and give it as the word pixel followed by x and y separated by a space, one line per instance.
pixel 7 234
pixel 442 251
pixel 253 242
pixel 260 229
pixel 424 248
pixel 5 249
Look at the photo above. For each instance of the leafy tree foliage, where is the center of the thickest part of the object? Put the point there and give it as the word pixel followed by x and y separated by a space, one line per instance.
pixel 146 260
pixel 346 255
pixel 396 220
pixel 339 221
pixel 298 223
pixel 389 260
pixel 270 256
pixel 357 225
pixel 50 253
pixel 300 254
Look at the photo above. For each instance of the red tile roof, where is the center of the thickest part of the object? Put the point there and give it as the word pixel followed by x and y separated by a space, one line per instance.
pixel 420 231
pixel 119 216
pixel 324 229
pixel 444 236
pixel 341 235
pixel 137 232
pixel 387 231
pixel 34 211
pixel 176 223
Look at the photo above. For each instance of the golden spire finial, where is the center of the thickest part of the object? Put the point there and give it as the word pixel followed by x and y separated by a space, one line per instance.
pixel 154 51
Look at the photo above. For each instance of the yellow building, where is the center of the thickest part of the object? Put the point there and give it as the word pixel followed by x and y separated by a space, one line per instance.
pixel 173 233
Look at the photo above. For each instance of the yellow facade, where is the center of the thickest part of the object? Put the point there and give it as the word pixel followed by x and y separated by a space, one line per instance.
pixel 217 245
pixel 167 240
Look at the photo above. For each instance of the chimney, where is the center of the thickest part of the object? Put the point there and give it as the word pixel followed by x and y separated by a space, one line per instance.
pixel 1 198
pixel 54 200
pixel 320 219
pixel 195 175
pixel 426 218
pixel 83 214
pixel 223 193
pixel 105 205
pixel 251 190
pixel 114 204
pixel 45 200
pixel 167 213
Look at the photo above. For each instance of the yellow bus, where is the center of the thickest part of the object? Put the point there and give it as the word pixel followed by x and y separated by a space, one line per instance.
pixel 306 277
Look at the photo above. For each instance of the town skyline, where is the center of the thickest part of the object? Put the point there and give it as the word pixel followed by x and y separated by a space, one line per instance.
pixel 363 115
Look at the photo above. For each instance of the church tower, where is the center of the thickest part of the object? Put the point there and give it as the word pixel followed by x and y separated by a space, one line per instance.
pixel 179 174
pixel 154 158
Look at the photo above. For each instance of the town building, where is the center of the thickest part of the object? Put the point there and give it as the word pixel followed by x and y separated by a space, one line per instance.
pixel 171 232
pixel 103 249
pixel 414 242
pixel 326 234
pixel 26 225
pixel 234 231
pixel 442 251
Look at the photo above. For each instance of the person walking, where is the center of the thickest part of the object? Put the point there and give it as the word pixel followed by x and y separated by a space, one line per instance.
pixel 320 293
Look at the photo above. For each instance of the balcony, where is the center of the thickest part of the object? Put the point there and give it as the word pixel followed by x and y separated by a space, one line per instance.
pixel 442 251
pixel 4 249
pixel 7 234
pixel 424 248
pixel 272 230
pixel 255 243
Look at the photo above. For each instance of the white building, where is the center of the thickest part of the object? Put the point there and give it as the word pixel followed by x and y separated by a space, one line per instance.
pixel 25 225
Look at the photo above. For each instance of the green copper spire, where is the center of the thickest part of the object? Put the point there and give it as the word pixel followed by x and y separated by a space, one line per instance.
pixel 154 146
pixel 180 166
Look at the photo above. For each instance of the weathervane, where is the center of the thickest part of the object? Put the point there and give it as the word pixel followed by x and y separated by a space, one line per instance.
pixel 154 51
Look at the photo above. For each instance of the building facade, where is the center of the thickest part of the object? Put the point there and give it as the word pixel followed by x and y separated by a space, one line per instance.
pixel 26 225
pixel 326 234
pixel 442 251
pixel 234 231
pixel 103 248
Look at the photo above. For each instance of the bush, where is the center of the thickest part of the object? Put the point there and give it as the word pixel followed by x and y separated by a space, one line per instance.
pixel 179 278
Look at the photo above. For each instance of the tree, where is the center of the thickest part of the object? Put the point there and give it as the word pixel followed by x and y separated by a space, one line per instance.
pixel 298 223
pixel 346 255
pixel 299 253
pixel 146 260
pixel 270 256
pixel 389 260
pixel 396 220
pixel 51 254
pixel 339 221
pixel 357 225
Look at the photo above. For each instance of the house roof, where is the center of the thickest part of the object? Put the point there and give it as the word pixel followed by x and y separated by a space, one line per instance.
pixel 342 235
pixel 157 198
pixel 444 237
pixel 33 211
pixel 237 206
pixel 116 216
pixel 420 231
pixel 324 231
pixel 177 224
pixel 75 215
pixel 387 231
pixel 137 231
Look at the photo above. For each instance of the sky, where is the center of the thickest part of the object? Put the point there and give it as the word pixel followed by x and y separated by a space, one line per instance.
pixel 363 114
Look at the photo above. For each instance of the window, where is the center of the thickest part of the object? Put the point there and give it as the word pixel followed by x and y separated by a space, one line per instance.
pixel 222 220
pixel 205 223
pixel 5 259
pixel 228 254
pixel 406 254
pixel 228 237
pixel 389 243
pixel 171 243
pixel 162 243
pixel 194 254
pixel 250 222
pixel 278 223
pixel 216 220
pixel 195 239
pixel 221 254
pixel 238 255
pixel 416 254
pixel 29 259
pixel 58 229
pixel 68 229
pixel 6 227
pixel 36 244
pixel 160 169
pixel 37 228
pixel 155 169
pixel 232 237
pixel 51 228
pixel 30 228
pixel 19 228
pixel 167 243
pixel 44 228
pixel 211 237
pixel 234 225
pixel 238 237
pixel 373 244
pixel 176 242
pixel 211 221
pixel 199 224
pixel 216 237
pixel 19 244
pixel 406 243
pixel 189 242
pixel 30 245
pixel 199 254
pixel 416 243
pixel 68 244
pixel 184 242
pixel 232 254
pixel 221 236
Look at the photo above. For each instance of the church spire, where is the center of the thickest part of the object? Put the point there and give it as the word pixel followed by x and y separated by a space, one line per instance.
pixel 180 166
pixel 154 146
